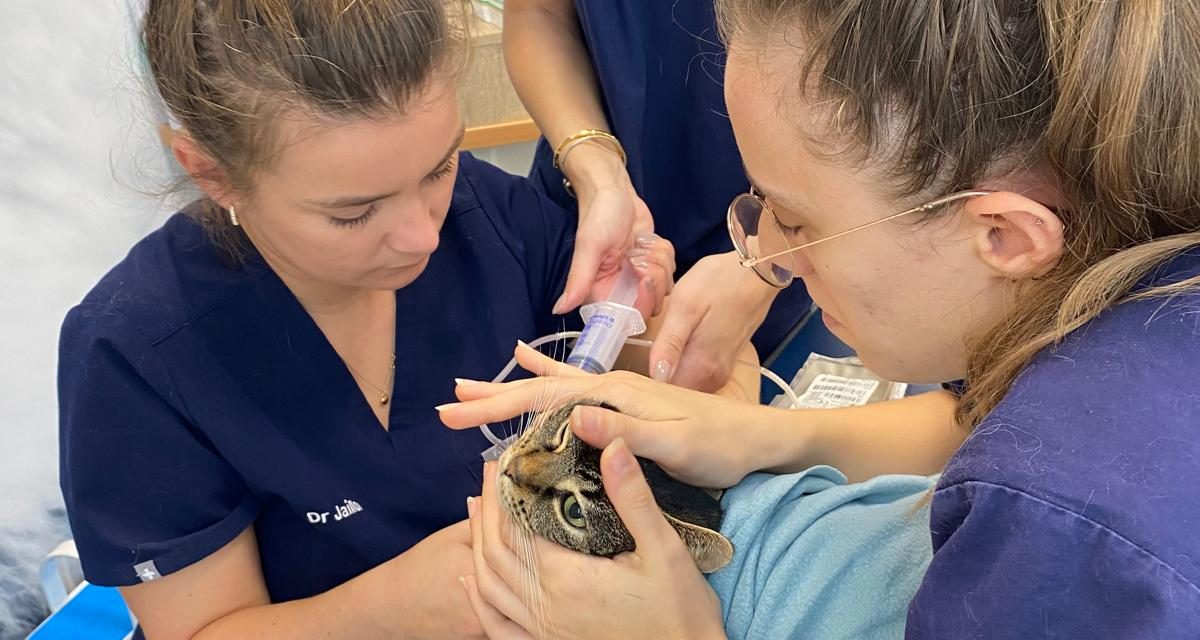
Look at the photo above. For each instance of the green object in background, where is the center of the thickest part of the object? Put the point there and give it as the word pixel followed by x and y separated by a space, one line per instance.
pixel 490 11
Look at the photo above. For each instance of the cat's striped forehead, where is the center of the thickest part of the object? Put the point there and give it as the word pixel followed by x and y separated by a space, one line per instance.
pixel 551 485
pixel 547 429
pixel 549 433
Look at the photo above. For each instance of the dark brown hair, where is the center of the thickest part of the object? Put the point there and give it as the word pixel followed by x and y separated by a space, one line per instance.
pixel 947 92
pixel 228 70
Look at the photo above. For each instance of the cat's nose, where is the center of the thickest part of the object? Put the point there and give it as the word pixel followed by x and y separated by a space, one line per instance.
pixel 527 470
pixel 517 470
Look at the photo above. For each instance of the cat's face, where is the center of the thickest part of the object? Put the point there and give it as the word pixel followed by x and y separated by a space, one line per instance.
pixel 550 484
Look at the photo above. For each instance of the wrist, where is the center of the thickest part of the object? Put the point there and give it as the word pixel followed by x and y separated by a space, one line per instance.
pixel 593 166
pixel 783 441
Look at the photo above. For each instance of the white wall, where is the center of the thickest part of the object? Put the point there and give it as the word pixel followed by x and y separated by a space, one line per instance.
pixel 73 154
pixel 513 158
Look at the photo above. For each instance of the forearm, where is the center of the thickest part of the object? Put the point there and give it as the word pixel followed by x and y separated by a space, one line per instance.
pixel 342 612
pixel 912 435
pixel 414 595
pixel 550 67
pixel 746 381
pixel 329 615
pixel 552 73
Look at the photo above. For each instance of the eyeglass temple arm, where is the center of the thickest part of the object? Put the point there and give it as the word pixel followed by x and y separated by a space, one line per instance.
pixel 925 207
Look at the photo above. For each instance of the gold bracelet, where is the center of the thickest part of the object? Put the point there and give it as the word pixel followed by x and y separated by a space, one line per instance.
pixel 574 140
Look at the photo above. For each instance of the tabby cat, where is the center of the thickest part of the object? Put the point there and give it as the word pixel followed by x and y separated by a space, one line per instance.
pixel 549 482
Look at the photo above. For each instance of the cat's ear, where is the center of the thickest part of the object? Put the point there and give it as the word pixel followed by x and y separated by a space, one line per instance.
pixel 709 549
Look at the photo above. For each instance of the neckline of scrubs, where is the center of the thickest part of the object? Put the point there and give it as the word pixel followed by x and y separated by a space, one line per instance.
pixel 325 359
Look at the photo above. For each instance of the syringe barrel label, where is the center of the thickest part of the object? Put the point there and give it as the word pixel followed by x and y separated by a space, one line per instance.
pixel 591 365
pixel 601 318
pixel 589 336
pixel 583 355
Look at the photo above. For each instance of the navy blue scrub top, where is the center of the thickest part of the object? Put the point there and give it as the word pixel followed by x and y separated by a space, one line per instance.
pixel 660 66
pixel 198 399
pixel 1072 510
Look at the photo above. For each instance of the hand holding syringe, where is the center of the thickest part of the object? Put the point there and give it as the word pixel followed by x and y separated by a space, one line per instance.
pixel 607 326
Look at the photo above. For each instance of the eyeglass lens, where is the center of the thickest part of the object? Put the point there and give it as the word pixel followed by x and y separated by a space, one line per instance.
pixel 758 233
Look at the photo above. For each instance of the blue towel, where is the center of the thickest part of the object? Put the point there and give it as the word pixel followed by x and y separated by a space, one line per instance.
pixel 815 557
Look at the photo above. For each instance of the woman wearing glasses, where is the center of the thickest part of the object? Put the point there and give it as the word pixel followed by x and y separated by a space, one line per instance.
pixel 1005 194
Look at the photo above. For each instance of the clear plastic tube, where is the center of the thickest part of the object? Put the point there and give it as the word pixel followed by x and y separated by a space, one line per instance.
pixel 624 291
pixel 499 445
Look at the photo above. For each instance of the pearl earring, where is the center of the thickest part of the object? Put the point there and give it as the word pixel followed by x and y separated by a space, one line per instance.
pixel 233 217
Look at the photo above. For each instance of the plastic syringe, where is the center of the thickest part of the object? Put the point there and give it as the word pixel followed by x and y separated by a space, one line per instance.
pixel 607 324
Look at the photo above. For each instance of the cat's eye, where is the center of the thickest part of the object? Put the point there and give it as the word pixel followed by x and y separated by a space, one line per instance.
pixel 573 512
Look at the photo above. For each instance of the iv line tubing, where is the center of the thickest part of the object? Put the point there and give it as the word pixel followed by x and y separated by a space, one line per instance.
pixel 512 364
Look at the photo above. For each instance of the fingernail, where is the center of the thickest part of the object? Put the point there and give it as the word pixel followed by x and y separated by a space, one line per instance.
pixel 622 460
pixel 640 263
pixel 465 381
pixel 463 581
pixel 637 253
pixel 662 371
pixel 583 419
pixel 471 507
pixel 645 239
pixel 521 343
pixel 442 407
pixel 558 310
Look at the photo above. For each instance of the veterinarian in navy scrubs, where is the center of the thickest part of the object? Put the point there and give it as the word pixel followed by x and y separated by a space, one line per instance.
pixel 249 445
pixel 649 72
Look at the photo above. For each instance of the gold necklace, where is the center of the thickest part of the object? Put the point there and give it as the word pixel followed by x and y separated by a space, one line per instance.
pixel 385 395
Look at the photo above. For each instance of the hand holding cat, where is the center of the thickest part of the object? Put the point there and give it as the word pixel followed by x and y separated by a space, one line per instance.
pixel 702 439
pixel 653 592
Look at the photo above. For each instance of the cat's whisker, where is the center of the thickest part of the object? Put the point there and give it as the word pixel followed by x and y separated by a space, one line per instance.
pixel 518 535
pixel 533 593
pixel 542 399
pixel 530 416
pixel 547 395
pixel 543 601
pixel 532 583
pixel 527 551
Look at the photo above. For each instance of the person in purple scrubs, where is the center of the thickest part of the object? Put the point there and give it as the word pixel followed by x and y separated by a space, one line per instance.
pixel 1005 194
